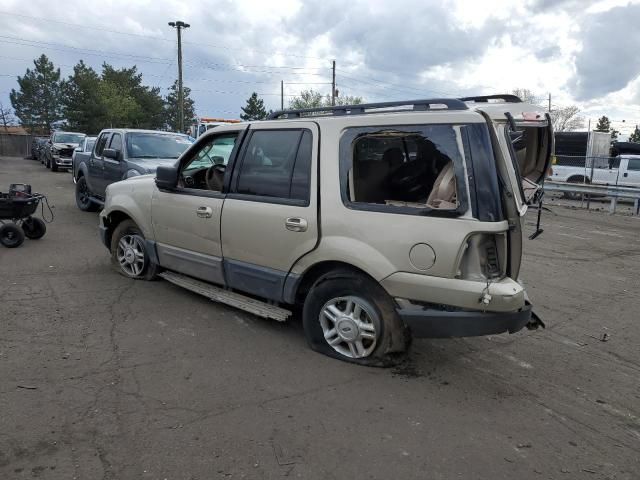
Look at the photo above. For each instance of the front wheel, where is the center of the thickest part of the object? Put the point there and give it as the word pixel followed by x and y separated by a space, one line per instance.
pixel 34 228
pixel 11 235
pixel 54 166
pixel 129 252
pixel 350 317
pixel 83 196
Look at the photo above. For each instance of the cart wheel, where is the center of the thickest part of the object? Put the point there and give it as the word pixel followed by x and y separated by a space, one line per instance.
pixel 11 235
pixel 34 228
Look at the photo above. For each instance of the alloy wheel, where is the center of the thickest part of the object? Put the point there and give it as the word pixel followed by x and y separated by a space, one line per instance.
pixel 130 255
pixel 349 326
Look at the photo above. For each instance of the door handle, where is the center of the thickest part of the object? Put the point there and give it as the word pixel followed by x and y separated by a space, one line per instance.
pixel 204 212
pixel 626 174
pixel 296 224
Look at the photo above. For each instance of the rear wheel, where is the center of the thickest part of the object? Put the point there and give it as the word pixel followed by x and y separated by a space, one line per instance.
pixel 129 252
pixel 11 235
pixel 350 317
pixel 575 195
pixel 83 196
pixel 34 228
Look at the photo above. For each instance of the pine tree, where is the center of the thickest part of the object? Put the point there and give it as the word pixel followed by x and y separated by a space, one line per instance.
pixel 255 109
pixel 38 102
pixel 172 108
pixel 635 136
pixel 604 124
pixel 83 106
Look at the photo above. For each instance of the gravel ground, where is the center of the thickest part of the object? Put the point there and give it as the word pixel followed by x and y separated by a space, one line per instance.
pixel 108 378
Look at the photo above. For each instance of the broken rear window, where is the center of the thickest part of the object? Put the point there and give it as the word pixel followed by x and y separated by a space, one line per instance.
pixel 413 167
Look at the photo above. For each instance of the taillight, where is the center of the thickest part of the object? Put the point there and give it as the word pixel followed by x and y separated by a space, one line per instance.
pixel 484 257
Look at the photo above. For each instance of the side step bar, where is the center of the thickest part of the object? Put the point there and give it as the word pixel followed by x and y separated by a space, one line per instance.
pixel 227 297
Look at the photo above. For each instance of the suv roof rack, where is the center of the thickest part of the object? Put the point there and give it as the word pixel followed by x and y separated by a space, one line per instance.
pixel 360 109
pixel 507 98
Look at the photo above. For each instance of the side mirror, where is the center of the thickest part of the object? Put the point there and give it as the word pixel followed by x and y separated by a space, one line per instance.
pixel 167 177
pixel 217 160
pixel 110 153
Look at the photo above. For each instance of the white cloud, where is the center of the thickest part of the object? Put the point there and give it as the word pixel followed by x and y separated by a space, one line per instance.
pixel 384 50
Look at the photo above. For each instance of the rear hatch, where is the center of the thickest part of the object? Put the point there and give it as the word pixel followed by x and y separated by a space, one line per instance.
pixel 522 135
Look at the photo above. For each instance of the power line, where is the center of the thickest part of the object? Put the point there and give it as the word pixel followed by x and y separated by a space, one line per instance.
pixel 152 37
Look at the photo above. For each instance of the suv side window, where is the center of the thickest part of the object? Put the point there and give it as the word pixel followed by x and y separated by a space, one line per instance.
pixel 276 163
pixel 413 169
pixel 206 168
pixel 116 142
pixel 101 144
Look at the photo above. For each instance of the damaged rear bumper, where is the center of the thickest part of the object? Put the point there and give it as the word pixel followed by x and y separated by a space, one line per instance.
pixel 434 323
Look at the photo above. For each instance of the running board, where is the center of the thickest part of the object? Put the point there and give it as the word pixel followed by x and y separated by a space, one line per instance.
pixel 227 297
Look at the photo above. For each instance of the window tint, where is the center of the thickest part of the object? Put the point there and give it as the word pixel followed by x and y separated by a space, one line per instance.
pixel 102 142
pixel 116 142
pixel 634 164
pixel 89 144
pixel 268 165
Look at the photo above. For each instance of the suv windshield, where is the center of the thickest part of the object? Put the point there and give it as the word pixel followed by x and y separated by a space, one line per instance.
pixel 68 137
pixel 156 145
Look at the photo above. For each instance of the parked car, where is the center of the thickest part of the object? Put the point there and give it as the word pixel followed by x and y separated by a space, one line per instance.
pixel 82 153
pixel 381 221
pixel 59 149
pixel 36 145
pixel 120 154
pixel 623 170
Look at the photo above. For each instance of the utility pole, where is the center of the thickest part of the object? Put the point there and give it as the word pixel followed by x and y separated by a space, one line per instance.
pixel 281 94
pixel 549 102
pixel 333 83
pixel 179 25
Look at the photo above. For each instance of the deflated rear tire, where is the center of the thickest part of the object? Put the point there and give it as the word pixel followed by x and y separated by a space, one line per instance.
pixel 350 317
pixel 129 254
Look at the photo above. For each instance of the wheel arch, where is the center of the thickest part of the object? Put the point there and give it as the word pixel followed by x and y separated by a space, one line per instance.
pixel 578 179
pixel 111 222
pixel 297 289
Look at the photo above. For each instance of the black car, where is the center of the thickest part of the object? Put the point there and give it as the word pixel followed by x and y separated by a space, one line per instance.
pixel 36 145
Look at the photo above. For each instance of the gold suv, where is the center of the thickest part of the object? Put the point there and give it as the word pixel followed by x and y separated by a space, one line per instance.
pixel 382 221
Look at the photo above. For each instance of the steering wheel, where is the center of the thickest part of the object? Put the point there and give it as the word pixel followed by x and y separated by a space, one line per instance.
pixel 215 177
pixel 408 178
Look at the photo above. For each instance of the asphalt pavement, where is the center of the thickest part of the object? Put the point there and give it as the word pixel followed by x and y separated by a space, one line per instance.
pixel 102 377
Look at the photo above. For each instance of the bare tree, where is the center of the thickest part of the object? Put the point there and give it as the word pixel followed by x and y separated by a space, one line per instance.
pixel 527 96
pixel 566 119
pixel 6 116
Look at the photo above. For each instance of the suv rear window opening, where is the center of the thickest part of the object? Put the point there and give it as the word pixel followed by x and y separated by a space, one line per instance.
pixel 415 167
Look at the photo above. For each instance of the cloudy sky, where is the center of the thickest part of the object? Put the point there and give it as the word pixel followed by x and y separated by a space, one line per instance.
pixel 582 52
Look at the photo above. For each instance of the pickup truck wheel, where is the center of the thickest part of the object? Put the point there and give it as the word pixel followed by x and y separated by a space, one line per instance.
pixel 83 196
pixel 129 252
pixel 350 317
pixel 54 166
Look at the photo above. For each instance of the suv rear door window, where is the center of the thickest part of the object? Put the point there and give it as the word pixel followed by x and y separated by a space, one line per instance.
pixel 276 163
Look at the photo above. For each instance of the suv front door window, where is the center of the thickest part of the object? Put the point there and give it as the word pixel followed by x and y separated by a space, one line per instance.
pixel 205 170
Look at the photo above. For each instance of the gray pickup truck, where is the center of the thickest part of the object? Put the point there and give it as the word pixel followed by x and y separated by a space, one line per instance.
pixel 81 153
pixel 123 153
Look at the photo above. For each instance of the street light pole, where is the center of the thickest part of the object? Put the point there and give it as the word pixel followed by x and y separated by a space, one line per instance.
pixel 179 25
